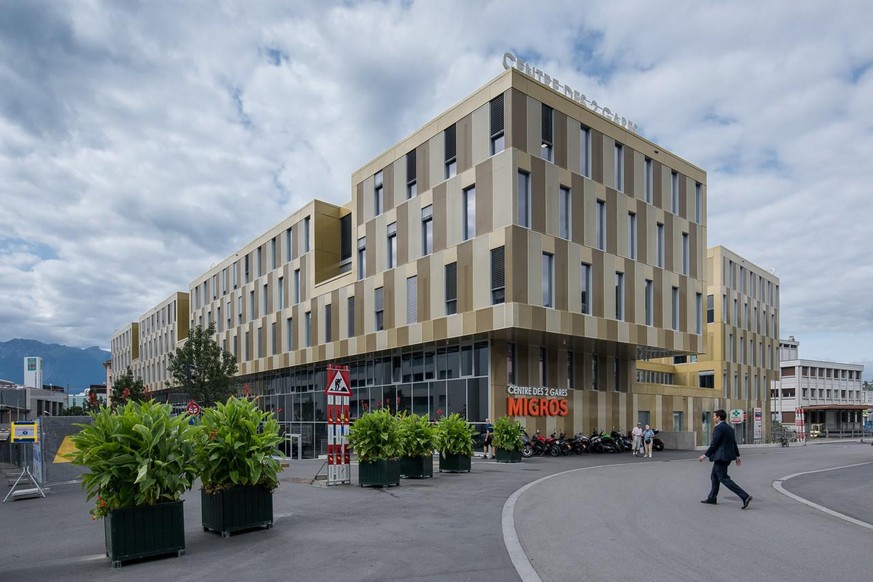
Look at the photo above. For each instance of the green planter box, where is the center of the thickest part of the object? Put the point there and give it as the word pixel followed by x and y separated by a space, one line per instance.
pixel 379 473
pixel 416 467
pixel 504 456
pixel 454 463
pixel 144 532
pixel 236 509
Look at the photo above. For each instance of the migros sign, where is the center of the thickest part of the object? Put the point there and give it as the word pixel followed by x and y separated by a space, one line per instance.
pixel 545 401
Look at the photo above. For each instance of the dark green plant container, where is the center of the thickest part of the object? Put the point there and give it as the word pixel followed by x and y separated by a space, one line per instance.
pixel 236 509
pixel 144 532
pixel 451 463
pixel 504 456
pixel 416 467
pixel 379 473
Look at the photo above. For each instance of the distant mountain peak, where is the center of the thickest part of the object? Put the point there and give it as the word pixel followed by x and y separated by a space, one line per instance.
pixel 71 367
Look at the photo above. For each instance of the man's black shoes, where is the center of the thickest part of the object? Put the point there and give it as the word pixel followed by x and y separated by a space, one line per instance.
pixel 710 501
pixel 747 501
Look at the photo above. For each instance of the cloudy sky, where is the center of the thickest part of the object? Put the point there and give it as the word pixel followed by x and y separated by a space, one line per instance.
pixel 135 137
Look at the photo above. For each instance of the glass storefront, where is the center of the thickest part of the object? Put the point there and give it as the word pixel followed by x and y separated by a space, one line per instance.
pixel 430 380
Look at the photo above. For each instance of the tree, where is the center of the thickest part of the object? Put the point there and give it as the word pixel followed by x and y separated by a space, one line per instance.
pixel 202 369
pixel 125 388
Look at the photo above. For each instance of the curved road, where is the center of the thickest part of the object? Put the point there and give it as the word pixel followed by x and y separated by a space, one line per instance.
pixel 643 519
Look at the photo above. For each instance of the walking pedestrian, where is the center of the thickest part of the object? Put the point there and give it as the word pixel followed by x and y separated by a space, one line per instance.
pixel 488 448
pixel 648 436
pixel 637 434
pixel 722 450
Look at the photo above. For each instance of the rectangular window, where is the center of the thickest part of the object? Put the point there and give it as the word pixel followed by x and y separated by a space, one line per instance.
pixel 280 291
pixel 710 309
pixel 698 200
pixel 659 243
pixel 328 321
pixel 619 296
pixel 619 167
pixel 498 276
pixel 308 326
pixel 469 218
pixel 265 299
pixel 214 286
pixel 247 346
pixel 260 261
pixel 524 199
pixel 498 138
pixel 392 245
pixel 228 314
pixel 616 372
pixel 296 286
pixel 585 151
pixel 678 421
pixel 218 321
pixel 564 212
pixel 251 305
pixel 595 374
pixel 543 368
pixel 378 194
pixel 260 342
pixel 351 315
pixel 600 233
pixel 648 177
pixel 362 258
pixel 451 152
pixel 306 234
pixel 427 230
pixel 631 235
pixel 289 245
pixel 379 308
pixel 411 176
pixel 246 268
pixel 548 280
pixel 675 296
pixel 706 379
pixel 274 255
pixel 586 288
pixel 274 337
pixel 235 273
pixel 686 253
pixel 650 302
pixel 451 288
pixel 674 190
pixel 239 309
pixel 547 147
pixel 412 299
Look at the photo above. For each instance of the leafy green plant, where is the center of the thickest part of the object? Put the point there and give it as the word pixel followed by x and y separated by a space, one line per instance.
pixel 139 455
pixel 507 434
pixel 235 445
pixel 375 436
pixel 417 436
pixel 454 435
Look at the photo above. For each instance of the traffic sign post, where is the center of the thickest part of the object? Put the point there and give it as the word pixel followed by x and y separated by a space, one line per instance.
pixel 23 433
pixel 338 455
pixel 192 408
pixel 737 416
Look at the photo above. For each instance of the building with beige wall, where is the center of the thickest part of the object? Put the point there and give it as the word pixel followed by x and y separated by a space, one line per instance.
pixel 740 355
pixel 519 246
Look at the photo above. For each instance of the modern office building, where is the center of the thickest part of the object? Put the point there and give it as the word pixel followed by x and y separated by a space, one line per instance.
pixel 828 392
pixel 740 355
pixel 520 254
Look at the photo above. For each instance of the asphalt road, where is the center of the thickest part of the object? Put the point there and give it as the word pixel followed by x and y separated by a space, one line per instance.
pixel 609 517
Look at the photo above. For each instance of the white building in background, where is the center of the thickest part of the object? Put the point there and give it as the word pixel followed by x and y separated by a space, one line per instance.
pixel 829 392
pixel 33 372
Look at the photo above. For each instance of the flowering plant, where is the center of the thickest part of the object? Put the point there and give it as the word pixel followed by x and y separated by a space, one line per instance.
pixel 236 445
pixel 139 455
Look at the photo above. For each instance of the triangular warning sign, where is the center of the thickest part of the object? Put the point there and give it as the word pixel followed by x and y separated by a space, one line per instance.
pixel 337 385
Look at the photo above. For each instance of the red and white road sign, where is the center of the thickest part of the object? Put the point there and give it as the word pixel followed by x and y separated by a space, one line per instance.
pixel 193 408
pixel 338 454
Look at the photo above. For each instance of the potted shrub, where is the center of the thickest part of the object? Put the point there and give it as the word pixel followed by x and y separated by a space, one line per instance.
pixel 506 439
pixel 454 440
pixel 417 443
pixel 140 461
pixel 375 438
pixel 235 447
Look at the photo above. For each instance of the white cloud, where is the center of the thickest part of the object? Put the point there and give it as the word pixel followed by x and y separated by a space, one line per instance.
pixel 136 137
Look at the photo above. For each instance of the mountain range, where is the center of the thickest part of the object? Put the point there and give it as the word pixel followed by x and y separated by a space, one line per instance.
pixel 73 368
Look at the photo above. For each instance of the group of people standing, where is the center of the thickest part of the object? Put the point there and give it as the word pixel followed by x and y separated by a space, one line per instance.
pixel 643 439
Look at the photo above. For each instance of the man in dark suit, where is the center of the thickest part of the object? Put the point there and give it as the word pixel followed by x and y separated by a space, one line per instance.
pixel 722 450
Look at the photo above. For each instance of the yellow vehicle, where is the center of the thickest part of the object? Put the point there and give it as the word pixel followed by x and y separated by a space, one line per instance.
pixel 817 431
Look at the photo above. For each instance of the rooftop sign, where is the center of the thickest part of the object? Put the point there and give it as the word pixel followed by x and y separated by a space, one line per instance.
pixel 510 61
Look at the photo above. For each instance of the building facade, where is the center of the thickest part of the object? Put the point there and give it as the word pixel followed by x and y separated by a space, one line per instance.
pixel 829 393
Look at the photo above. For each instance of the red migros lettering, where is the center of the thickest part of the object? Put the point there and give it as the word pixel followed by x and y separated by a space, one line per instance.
pixel 536 406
